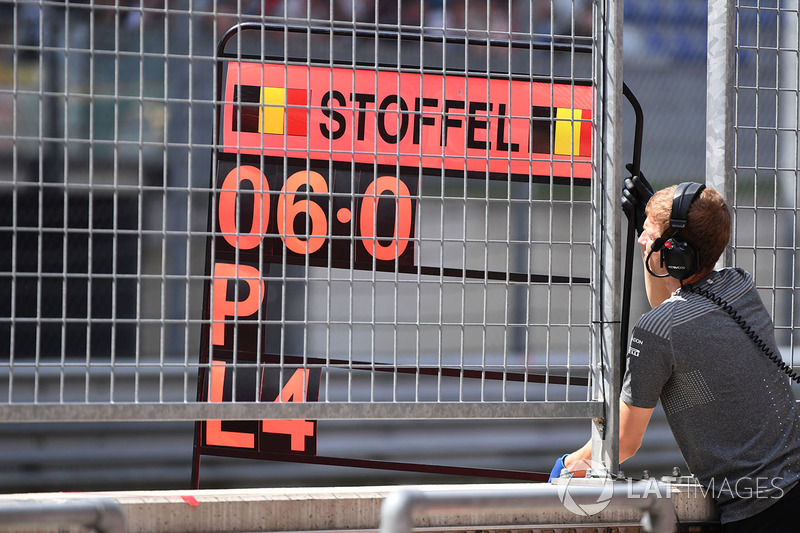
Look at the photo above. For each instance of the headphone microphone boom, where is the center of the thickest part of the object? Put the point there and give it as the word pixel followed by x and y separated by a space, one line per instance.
pixel 680 258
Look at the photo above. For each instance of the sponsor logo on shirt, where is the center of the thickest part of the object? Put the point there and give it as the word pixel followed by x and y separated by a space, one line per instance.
pixel 634 352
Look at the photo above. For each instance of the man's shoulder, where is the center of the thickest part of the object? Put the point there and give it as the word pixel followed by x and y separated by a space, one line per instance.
pixel 684 307
pixel 727 283
pixel 658 320
pixel 663 315
pixel 727 275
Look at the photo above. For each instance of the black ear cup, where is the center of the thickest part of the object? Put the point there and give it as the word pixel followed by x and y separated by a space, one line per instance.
pixel 679 258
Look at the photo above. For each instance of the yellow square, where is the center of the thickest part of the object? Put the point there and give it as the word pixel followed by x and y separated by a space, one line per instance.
pixel 270 114
pixel 568 131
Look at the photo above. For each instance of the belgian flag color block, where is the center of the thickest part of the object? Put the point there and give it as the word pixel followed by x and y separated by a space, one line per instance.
pixel 561 131
pixel 271 110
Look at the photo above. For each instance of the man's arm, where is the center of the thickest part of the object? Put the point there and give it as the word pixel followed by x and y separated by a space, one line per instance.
pixel 632 424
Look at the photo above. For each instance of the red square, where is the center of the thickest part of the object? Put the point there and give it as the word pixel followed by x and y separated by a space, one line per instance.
pixel 297 112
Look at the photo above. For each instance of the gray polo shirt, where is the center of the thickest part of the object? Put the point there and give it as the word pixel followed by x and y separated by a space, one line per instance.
pixel 731 410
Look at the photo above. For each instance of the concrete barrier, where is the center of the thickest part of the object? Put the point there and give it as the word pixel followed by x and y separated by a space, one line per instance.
pixel 338 509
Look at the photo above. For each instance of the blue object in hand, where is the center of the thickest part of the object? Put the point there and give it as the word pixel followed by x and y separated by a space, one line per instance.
pixel 557 468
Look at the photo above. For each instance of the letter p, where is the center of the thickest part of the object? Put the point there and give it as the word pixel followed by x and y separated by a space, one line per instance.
pixel 222 307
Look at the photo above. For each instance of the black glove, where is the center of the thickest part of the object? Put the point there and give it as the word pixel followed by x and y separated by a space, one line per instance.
pixel 635 195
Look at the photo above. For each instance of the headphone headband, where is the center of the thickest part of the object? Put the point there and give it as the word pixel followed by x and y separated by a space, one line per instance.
pixel 685 193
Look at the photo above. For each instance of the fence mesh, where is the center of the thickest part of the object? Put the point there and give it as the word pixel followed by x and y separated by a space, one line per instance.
pixel 113 177
pixel 766 157
pixel 106 143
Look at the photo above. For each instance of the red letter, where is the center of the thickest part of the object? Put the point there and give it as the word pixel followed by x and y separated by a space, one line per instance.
pixel 221 307
pixel 214 434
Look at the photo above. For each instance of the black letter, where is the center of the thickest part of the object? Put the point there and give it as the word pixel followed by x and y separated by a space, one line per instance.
pixel 473 123
pixel 501 131
pixel 330 113
pixel 385 103
pixel 362 100
pixel 450 104
pixel 419 119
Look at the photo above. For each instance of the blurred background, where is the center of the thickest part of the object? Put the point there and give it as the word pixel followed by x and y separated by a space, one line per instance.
pixel 148 113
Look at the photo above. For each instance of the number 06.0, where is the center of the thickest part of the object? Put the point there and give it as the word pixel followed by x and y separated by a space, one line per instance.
pixel 402 223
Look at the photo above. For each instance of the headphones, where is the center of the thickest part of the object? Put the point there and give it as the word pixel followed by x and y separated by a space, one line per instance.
pixel 679 257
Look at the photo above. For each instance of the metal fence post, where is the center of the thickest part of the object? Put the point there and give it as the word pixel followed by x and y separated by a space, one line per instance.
pixel 605 431
pixel 720 144
pixel 787 157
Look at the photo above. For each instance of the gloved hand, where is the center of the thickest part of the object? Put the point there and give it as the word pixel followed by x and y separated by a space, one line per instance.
pixel 557 468
pixel 635 195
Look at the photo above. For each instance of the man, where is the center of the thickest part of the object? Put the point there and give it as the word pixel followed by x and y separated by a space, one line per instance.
pixel 730 408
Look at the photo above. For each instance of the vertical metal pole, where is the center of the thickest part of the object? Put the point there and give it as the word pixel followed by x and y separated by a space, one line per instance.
pixel 720 103
pixel 788 158
pixel 608 236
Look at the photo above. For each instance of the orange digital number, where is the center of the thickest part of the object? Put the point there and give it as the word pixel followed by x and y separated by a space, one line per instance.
pixel 403 216
pixel 227 207
pixel 293 391
pixel 288 210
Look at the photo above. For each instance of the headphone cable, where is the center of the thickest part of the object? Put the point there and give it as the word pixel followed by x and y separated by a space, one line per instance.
pixel 758 341
pixel 653 249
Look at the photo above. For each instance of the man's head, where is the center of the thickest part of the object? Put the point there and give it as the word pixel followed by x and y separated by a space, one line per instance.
pixel 708 228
